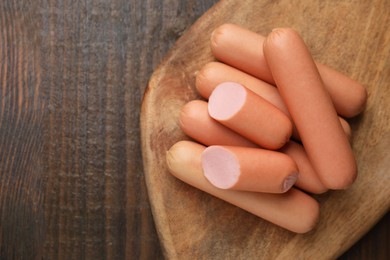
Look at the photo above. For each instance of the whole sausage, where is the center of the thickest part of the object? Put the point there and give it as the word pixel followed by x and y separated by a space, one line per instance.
pixel 311 108
pixel 241 48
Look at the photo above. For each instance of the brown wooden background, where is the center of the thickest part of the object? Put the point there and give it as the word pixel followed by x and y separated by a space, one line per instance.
pixel 72 76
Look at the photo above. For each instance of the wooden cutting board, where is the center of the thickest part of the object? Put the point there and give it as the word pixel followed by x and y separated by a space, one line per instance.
pixel 351 36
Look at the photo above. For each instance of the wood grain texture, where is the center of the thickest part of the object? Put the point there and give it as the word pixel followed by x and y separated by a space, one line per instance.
pixel 192 224
pixel 374 245
pixel 72 76
pixel 21 139
pixel 98 57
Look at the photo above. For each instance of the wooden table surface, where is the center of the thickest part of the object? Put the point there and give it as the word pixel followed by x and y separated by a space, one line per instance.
pixel 72 76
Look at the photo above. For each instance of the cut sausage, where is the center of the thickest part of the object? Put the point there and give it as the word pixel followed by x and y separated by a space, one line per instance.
pixel 215 73
pixel 249 115
pixel 293 210
pixel 196 122
pixel 249 169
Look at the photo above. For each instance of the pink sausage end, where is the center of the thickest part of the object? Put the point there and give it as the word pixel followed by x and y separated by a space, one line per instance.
pixel 220 167
pixel 219 108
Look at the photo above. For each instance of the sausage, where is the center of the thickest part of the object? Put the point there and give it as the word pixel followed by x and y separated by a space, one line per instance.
pixel 311 108
pixel 197 124
pixel 241 48
pixel 249 115
pixel 248 169
pixel 308 179
pixel 215 73
pixel 293 210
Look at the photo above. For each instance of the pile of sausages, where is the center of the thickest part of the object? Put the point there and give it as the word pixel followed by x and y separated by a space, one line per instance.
pixel 272 131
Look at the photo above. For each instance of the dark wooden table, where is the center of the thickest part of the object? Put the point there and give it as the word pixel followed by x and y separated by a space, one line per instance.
pixel 72 76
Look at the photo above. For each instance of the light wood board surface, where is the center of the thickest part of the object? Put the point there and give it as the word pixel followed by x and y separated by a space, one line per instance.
pixel 350 36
